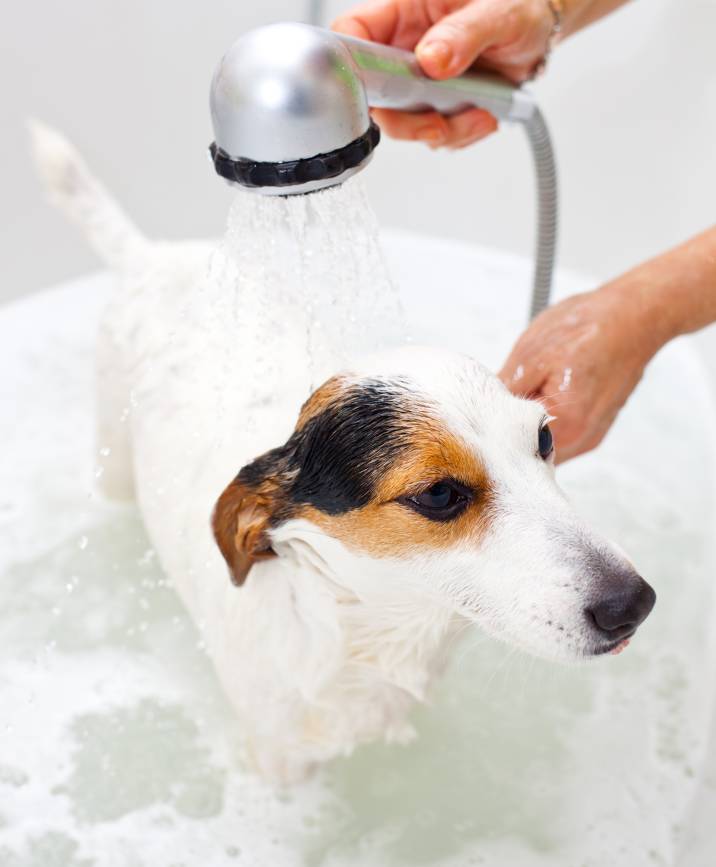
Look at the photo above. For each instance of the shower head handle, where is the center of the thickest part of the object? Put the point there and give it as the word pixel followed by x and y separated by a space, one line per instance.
pixel 393 78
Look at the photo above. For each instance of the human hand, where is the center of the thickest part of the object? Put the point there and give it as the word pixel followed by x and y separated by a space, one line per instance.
pixel 508 36
pixel 583 358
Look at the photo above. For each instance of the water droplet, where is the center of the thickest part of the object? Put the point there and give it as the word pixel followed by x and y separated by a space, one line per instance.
pixel 566 379
pixel 147 557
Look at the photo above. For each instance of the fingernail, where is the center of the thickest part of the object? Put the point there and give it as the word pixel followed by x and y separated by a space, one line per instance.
pixel 431 135
pixel 437 53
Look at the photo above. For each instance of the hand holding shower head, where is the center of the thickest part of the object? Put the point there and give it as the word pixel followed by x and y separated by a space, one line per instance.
pixel 289 106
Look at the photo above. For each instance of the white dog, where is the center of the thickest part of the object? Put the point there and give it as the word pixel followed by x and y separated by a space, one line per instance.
pixel 413 495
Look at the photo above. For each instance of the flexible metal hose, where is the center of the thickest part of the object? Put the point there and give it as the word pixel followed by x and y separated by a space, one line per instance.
pixel 547 208
pixel 314 14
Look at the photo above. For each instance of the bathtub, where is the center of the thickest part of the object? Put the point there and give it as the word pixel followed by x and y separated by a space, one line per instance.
pixel 117 747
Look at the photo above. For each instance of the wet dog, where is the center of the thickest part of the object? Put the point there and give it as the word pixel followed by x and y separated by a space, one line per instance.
pixel 330 552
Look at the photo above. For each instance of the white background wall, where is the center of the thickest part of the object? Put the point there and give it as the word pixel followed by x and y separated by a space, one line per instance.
pixel 631 101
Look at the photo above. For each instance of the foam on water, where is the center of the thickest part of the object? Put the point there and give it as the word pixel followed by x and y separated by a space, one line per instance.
pixel 117 746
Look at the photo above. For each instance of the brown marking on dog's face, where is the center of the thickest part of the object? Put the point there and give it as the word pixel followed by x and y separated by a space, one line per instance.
pixel 388 527
pixel 321 399
pixel 361 454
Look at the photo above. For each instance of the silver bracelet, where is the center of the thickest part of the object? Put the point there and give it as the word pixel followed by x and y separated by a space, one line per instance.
pixel 556 7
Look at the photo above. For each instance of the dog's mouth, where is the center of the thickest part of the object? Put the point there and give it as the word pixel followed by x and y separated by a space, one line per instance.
pixel 614 647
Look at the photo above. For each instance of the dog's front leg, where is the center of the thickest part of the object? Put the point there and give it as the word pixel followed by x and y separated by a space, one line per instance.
pixel 279 764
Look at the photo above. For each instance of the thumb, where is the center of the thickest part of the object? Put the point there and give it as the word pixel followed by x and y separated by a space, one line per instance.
pixel 456 41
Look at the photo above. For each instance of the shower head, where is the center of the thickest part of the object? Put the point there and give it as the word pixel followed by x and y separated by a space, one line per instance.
pixel 289 105
pixel 289 111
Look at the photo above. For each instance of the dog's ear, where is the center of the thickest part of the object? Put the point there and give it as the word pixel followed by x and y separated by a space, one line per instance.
pixel 240 523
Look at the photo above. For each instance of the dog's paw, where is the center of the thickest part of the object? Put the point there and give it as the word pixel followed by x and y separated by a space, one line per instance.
pixel 280 768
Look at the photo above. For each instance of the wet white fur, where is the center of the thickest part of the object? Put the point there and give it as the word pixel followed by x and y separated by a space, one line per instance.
pixel 323 648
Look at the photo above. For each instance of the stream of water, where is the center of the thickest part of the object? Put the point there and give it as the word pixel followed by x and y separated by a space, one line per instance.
pixel 312 271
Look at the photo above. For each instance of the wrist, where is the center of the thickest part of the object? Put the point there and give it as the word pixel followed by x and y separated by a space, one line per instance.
pixel 578 14
pixel 644 306
pixel 573 12
pixel 673 294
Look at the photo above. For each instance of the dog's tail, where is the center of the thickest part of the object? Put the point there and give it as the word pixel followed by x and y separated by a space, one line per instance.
pixel 72 187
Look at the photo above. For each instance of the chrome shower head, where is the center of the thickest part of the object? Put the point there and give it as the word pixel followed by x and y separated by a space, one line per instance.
pixel 290 112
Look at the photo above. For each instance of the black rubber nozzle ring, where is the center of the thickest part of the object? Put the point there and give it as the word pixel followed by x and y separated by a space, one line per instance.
pixel 250 173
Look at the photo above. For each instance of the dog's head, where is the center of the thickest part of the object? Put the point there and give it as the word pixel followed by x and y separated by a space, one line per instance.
pixel 424 472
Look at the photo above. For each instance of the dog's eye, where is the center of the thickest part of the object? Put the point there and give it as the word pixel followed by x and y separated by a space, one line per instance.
pixel 441 502
pixel 545 445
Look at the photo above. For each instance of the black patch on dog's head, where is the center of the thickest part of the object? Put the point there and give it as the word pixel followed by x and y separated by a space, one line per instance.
pixel 335 461
pixel 342 453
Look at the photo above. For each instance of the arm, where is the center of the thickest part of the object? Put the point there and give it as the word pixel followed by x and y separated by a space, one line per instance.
pixel 677 290
pixel 578 14
pixel 584 356
pixel 509 36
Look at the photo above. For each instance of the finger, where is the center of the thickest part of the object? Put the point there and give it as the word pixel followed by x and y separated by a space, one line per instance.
pixel 349 25
pixel 584 435
pixel 455 42
pixel 429 127
pixel 434 129
pixel 576 448
pixel 375 21
pixel 515 72
pixel 575 431
pixel 524 377
pixel 469 126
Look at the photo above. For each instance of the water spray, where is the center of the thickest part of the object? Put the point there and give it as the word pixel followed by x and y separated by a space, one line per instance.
pixel 290 110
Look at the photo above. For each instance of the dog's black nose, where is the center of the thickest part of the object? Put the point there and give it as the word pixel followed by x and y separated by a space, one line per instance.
pixel 623 606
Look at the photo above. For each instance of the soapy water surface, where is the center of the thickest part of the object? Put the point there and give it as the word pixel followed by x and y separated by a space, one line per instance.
pixel 118 748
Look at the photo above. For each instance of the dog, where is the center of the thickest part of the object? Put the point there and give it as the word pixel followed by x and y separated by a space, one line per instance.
pixel 330 561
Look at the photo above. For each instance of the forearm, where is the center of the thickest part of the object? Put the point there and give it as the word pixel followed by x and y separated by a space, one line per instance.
pixel 578 14
pixel 675 293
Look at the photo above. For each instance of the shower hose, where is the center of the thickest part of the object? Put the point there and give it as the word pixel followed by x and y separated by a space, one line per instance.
pixel 547 207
